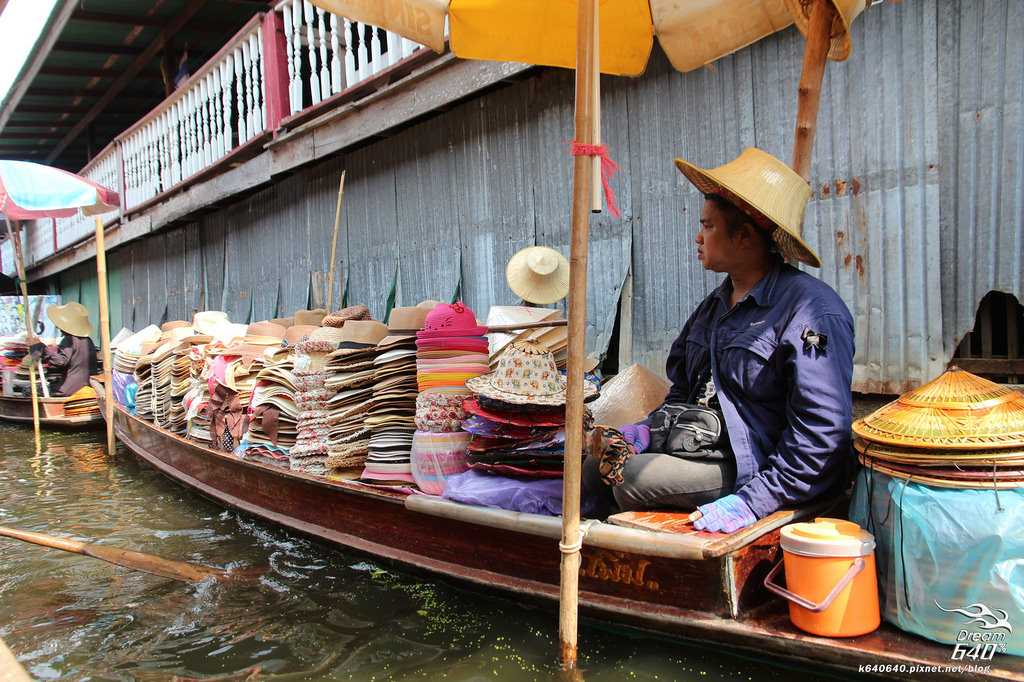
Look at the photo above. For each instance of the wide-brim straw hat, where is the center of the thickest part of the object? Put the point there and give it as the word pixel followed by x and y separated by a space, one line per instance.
pixel 206 322
pixel 173 324
pixel 266 330
pixel 767 190
pixel 72 318
pixel 956 411
pixel 339 318
pixel 363 331
pixel 297 332
pixel 538 274
pixel 845 12
pixel 526 375
pixel 284 321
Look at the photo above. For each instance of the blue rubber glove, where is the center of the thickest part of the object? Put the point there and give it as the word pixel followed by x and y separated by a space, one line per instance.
pixel 724 515
pixel 637 435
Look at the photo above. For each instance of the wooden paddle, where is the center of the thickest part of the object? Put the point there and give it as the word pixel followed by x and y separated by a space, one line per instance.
pixel 176 570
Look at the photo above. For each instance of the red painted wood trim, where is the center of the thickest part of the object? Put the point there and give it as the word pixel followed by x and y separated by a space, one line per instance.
pixel 275 70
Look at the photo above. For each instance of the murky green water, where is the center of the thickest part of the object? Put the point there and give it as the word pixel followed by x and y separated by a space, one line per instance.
pixel 317 612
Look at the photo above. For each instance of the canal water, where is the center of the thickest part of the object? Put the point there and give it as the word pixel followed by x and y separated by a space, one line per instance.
pixel 314 611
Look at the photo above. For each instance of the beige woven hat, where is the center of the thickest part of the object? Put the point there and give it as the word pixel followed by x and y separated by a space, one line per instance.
pixel 538 274
pixel 407 318
pixel 173 324
pixel 309 316
pixel 363 331
pixel 72 318
pixel 846 12
pixel 329 334
pixel 265 333
pixel 766 189
pixel 297 332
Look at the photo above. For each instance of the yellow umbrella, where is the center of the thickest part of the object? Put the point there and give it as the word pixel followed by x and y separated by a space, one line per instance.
pixel 569 33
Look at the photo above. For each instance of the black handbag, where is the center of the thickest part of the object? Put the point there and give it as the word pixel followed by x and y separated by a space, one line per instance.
pixel 691 431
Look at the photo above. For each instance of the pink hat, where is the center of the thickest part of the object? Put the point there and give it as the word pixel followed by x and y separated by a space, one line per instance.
pixel 447 320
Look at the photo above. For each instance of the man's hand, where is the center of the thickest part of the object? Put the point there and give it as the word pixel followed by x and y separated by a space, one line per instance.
pixel 36 350
pixel 637 435
pixel 724 515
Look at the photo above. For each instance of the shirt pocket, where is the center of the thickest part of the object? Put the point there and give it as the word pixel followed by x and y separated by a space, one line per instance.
pixel 697 359
pixel 749 360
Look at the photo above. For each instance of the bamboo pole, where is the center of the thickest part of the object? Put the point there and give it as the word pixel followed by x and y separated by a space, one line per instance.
pixel 108 386
pixel 29 332
pixel 581 203
pixel 334 244
pixel 809 91
pixel 596 188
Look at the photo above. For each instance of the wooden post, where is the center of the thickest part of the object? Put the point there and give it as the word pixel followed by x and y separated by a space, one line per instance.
pixel 275 69
pixel 809 93
pixel 19 261
pixel 581 203
pixel 334 244
pixel 108 386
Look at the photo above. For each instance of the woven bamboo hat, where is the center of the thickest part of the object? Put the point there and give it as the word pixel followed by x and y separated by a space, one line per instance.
pixel 846 12
pixel 538 274
pixel 766 189
pixel 956 411
pixel 72 318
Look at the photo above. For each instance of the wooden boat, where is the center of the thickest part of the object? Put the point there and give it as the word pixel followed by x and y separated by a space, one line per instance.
pixel 702 586
pixel 51 413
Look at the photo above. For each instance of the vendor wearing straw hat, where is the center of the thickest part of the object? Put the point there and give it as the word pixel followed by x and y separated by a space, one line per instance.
pixel 770 350
pixel 75 355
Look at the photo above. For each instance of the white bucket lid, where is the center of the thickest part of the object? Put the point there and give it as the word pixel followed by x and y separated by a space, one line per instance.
pixel 826 537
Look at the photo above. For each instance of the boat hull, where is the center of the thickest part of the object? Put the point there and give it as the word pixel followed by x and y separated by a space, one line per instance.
pixel 51 413
pixel 719 600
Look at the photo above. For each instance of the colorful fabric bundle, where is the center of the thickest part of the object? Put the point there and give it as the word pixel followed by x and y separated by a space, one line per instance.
pixel 435 457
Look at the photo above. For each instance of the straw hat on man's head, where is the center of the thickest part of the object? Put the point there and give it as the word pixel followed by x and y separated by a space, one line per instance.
pixel 538 274
pixel 70 318
pixel 767 190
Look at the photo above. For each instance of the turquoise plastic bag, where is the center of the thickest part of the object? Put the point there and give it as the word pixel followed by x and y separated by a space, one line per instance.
pixel 950 562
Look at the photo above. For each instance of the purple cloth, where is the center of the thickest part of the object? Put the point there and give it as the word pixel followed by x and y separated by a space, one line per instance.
pixel 782 361
pixel 119 384
pixel 637 435
pixel 537 496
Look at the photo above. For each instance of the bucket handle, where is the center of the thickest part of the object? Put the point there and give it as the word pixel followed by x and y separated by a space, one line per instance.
pixel 856 567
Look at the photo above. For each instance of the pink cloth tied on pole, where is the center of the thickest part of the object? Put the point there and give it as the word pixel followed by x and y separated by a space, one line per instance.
pixel 608 169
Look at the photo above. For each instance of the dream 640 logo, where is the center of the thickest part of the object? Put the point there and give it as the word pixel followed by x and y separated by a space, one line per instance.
pixel 983 635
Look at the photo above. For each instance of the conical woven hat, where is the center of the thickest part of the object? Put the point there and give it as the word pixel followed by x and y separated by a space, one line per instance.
pixel 71 318
pixel 767 190
pixel 956 411
pixel 846 12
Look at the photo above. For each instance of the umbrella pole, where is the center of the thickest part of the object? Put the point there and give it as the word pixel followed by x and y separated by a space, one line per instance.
pixel 334 244
pixel 809 93
pixel 581 204
pixel 108 386
pixel 29 332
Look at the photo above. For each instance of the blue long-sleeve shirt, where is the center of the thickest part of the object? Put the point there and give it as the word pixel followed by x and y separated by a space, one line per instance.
pixel 782 361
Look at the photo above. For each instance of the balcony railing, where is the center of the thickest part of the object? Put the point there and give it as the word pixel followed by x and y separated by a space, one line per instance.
pixel 281 67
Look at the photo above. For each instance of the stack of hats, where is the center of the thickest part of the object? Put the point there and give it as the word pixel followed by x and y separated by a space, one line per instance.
pixel 162 362
pixel 144 408
pixel 180 383
pixel 957 431
pixel 391 417
pixel 232 371
pixel 273 413
pixel 82 403
pixel 350 380
pixel 309 454
pixel 451 348
pixel 517 415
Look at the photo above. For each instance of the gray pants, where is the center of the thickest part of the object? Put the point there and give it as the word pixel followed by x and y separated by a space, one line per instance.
pixel 657 481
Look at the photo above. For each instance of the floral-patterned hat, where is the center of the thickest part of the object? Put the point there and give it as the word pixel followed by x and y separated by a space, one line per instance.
pixel 526 375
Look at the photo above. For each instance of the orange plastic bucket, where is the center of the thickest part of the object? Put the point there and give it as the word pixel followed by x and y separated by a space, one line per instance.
pixel 830 576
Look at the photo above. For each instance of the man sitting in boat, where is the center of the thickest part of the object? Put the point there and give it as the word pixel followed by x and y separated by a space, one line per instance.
pixel 75 355
pixel 759 413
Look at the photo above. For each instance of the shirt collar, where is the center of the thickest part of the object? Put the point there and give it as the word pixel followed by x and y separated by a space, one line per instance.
pixel 762 292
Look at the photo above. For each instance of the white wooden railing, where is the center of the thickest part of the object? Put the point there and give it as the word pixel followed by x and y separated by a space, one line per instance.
pixel 327 53
pixel 218 109
pixel 281 64
pixel 104 169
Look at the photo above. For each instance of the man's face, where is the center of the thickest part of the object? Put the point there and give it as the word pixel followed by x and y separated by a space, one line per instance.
pixel 716 250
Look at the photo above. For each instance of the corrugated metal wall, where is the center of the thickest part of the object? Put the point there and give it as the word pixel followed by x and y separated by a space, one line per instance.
pixel 917 207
